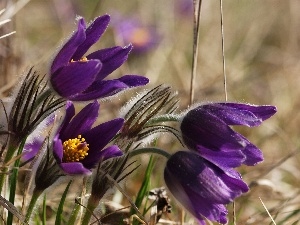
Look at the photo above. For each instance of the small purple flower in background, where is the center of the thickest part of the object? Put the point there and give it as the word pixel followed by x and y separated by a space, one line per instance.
pixel 77 147
pixel 131 30
pixel 206 130
pixel 201 187
pixel 184 7
pixel 81 78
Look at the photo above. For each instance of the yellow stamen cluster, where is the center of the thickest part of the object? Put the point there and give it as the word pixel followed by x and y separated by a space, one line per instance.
pixel 83 59
pixel 75 149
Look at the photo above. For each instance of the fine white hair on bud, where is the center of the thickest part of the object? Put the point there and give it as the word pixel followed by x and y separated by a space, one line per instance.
pixel 147 116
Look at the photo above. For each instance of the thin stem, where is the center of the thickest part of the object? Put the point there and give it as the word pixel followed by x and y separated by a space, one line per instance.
pixel 233 213
pixel 141 217
pixel 223 50
pixel 36 194
pixel 75 211
pixel 195 47
pixel 44 211
pixel 92 204
pixel 149 150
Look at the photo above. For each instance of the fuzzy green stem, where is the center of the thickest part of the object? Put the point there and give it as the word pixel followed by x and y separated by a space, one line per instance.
pixel 92 204
pixel 13 182
pixel 12 147
pixel 149 150
pixel 36 194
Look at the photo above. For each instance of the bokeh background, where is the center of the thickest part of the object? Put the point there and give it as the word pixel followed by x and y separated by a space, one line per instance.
pixel 262 43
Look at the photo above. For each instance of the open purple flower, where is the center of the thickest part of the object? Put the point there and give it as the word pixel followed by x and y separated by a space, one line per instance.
pixel 206 130
pixel 201 187
pixel 77 146
pixel 82 78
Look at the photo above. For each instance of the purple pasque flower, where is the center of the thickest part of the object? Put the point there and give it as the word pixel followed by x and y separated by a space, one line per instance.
pixel 77 146
pixel 202 187
pixel 82 78
pixel 142 37
pixel 206 130
pixel 184 8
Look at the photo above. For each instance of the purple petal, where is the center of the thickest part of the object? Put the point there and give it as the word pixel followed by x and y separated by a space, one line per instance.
pixel 223 159
pixel 262 112
pixel 93 34
pixel 50 120
pixel 58 150
pixel 201 187
pixel 106 88
pixel 75 77
pixel 233 116
pixel 213 212
pixel 75 168
pixel 234 181
pixel 200 127
pixel 99 156
pixel 100 89
pixel 253 154
pixel 111 58
pixel 100 136
pixel 31 149
pixel 134 80
pixel 82 122
pixel 69 48
pixel 70 112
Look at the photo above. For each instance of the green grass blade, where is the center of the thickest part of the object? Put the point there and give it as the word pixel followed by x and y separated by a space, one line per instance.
pixel 44 211
pixel 13 181
pixel 61 205
pixel 295 214
pixel 145 185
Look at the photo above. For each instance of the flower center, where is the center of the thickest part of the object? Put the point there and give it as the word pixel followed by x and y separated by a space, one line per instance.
pixel 140 37
pixel 83 59
pixel 75 149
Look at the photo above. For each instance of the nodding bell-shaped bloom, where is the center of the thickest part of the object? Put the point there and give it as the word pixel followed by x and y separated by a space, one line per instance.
pixel 81 78
pixel 77 146
pixel 206 130
pixel 202 187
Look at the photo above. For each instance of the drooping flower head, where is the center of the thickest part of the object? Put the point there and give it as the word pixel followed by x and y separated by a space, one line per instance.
pixel 206 130
pixel 203 180
pixel 201 187
pixel 81 78
pixel 77 146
